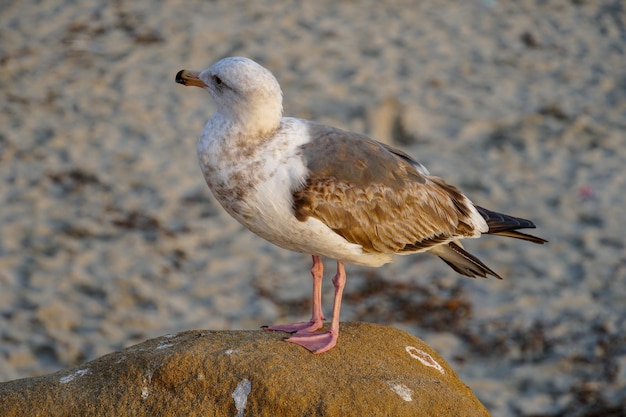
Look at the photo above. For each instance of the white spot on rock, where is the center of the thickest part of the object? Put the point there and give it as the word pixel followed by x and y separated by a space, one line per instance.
pixel 164 345
pixel 240 395
pixel 231 351
pixel 147 376
pixel 146 379
pixel 77 374
pixel 402 390
pixel 424 358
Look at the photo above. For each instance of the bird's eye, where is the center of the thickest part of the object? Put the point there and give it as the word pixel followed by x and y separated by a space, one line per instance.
pixel 218 81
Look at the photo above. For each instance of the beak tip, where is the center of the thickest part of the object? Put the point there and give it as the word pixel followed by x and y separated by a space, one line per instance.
pixel 179 77
pixel 189 78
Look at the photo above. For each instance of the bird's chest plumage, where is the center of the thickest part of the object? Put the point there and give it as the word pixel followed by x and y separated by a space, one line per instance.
pixel 252 181
pixel 233 180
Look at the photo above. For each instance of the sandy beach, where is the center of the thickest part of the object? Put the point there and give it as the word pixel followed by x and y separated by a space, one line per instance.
pixel 109 235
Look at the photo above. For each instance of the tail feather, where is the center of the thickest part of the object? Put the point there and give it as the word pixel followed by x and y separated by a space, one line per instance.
pixel 519 235
pixel 463 262
pixel 505 225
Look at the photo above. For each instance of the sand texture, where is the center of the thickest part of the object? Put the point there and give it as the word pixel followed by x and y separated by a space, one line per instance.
pixel 109 236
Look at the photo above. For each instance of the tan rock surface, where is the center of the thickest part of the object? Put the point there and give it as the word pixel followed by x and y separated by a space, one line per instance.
pixel 374 371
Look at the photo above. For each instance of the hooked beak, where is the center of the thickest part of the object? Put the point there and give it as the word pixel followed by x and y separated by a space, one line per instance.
pixel 187 77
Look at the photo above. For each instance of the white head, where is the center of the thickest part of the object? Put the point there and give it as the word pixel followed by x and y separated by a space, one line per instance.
pixel 245 93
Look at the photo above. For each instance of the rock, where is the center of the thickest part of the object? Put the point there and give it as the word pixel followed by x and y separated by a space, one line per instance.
pixel 374 371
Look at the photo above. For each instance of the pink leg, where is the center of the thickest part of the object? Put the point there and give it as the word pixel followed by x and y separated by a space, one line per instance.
pixel 323 341
pixel 317 317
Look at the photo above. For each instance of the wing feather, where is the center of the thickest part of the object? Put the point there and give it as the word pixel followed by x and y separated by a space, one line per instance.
pixel 378 197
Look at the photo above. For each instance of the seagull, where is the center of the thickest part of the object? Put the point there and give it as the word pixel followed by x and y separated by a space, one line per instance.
pixel 326 192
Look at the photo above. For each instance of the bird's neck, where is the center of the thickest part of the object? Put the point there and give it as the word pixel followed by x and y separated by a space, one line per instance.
pixel 223 131
pixel 252 122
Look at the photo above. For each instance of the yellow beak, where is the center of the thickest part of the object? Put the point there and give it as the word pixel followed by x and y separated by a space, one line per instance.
pixel 187 77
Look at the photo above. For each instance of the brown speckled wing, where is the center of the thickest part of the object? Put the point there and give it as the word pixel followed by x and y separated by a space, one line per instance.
pixel 376 196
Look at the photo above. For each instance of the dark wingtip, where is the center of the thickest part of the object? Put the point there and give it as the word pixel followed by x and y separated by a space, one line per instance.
pixel 499 222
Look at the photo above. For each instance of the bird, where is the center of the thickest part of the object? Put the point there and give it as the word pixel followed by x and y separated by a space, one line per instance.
pixel 326 192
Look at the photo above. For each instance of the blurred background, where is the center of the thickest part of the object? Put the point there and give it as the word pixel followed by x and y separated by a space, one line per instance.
pixel 109 236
